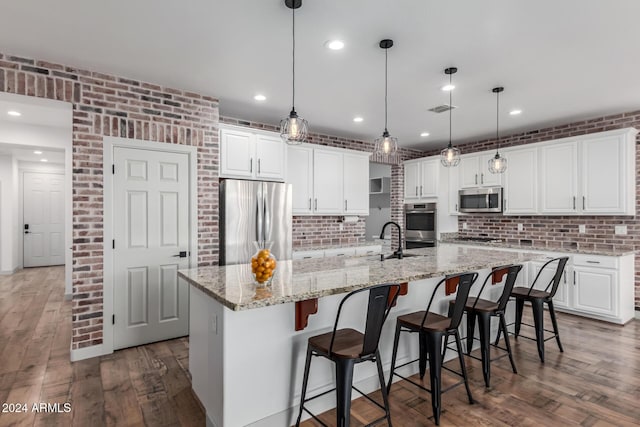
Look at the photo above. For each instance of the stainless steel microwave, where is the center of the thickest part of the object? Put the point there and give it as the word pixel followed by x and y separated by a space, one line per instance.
pixel 480 200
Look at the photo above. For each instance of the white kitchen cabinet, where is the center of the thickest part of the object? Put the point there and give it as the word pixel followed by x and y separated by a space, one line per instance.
pixel 249 154
pixel 607 163
pixel 369 250
pixel 454 186
pixel 559 178
pixel 346 252
pixel 521 181
pixel 300 176
pixel 412 180
pixel 474 171
pixel 421 178
pixel 328 181
pixel 561 298
pixel 307 254
pixel 356 187
pixel 595 290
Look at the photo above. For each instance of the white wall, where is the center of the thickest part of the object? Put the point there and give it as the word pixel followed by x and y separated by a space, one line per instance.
pixel 7 217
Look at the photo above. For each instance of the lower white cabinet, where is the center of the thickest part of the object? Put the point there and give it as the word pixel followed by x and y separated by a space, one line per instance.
pixel 595 290
pixel 339 252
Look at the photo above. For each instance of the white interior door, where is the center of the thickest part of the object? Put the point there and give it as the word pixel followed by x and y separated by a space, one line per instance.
pixel 43 219
pixel 151 229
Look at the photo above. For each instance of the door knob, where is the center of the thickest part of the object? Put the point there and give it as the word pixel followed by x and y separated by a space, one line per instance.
pixel 182 254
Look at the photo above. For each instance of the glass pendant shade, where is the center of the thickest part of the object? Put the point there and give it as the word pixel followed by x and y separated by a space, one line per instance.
pixel 450 156
pixel 497 164
pixel 293 129
pixel 386 144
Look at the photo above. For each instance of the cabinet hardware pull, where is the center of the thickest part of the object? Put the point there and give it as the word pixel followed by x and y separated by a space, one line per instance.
pixel 258 165
pixel 593 262
pixel 584 202
pixel 309 203
pixel 476 179
pixel 251 165
pixel 421 190
pixel 316 202
pixel 416 190
pixel 574 203
pixel 505 204
pixel 482 178
pixel 574 277
pixel 345 205
pixel 565 277
pixel 456 207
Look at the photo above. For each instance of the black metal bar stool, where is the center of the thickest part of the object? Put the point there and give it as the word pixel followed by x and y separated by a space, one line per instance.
pixel 347 347
pixel 431 329
pixel 537 299
pixel 483 310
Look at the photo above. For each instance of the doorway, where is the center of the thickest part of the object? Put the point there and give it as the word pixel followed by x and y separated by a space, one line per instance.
pixel 150 232
pixel 379 201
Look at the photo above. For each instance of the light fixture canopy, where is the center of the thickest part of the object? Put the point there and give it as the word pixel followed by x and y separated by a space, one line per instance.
pixel 450 156
pixel 293 128
pixel 386 145
pixel 497 164
pixel 14 113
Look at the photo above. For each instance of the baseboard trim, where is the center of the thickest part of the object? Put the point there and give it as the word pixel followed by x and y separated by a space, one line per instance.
pixel 638 314
pixel 88 352
pixel 10 272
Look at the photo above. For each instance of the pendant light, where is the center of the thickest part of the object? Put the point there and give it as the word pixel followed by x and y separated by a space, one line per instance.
pixel 497 164
pixel 450 156
pixel 386 144
pixel 293 129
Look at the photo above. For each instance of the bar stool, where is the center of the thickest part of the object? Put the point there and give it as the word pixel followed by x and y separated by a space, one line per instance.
pixel 431 329
pixel 347 347
pixel 483 310
pixel 537 299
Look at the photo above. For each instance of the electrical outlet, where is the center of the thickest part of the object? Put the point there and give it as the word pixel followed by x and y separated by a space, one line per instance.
pixel 582 228
pixel 464 226
pixel 621 229
pixel 520 227
pixel 341 226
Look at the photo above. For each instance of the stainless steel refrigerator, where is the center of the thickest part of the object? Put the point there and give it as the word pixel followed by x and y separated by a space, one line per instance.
pixel 253 211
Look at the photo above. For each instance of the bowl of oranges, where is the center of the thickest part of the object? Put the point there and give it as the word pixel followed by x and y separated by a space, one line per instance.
pixel 263 264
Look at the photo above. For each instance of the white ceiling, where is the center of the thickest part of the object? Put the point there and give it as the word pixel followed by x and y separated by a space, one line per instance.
pixel 559 61
pixel 26 154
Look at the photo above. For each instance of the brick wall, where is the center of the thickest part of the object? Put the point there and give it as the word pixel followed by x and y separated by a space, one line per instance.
pixel 556 232
pixel 106 105
pixel 316 230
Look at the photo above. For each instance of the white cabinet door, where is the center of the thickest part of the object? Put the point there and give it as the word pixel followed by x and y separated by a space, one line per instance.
pixel 559 178
pixel 468 172
pixel 429 173
pixel 300 176
pixel 595 290
pixel 453 191
pixel 328 181
pixel 412 180
pixel 603 175
pixel 270 157
pixel 236 153
pixel 356 184
pixel 488 179
pixel 521 182
pixel 561 298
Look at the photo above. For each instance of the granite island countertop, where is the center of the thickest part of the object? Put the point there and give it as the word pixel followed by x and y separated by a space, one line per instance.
pixel 300 280
pixel 593 249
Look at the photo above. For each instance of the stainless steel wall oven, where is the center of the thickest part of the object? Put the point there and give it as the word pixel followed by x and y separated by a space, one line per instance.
pixel 420 222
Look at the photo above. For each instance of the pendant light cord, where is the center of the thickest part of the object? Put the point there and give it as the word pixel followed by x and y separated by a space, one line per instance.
pixel 450 109
pixel 293 55
pixel 497 122
pixel 386 80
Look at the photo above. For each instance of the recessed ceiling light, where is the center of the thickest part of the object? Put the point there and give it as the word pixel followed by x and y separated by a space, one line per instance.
pixel 37 152
pixel 448 88
pixel 44 160
pixel 358 119
pixel 424 134
pixel 515 112
pixel 260 97
pixel 14 113
pixel 334 44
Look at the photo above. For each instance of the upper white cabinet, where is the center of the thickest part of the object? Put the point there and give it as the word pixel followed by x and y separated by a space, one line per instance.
pixel 356 189
pixel 474 171
pixel 521 181
pixel 608 187
pixel 559 178
pixel 421 178
pixel 249 154
pixel 328 181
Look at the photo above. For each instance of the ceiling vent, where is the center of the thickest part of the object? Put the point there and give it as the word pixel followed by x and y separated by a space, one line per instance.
pixel 442 108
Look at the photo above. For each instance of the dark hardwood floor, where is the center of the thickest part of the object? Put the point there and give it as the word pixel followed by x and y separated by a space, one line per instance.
pixel 596 382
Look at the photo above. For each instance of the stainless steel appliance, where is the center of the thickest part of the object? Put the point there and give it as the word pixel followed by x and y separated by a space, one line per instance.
pixel 420 221
pixel 253 211
pixel 480 200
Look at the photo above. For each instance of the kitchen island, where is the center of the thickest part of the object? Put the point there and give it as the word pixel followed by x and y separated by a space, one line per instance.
pixel 247 344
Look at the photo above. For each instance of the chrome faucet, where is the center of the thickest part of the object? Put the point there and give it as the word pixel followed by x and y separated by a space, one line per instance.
pixel 397 253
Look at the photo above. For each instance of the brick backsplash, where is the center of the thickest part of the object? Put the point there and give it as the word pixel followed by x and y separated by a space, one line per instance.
pixel 107 105
pixel 557 232
pixel 313 230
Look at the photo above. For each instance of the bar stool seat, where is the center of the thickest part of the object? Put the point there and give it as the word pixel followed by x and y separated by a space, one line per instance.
pixel 479 304
pixel 434 322
pixel 529 294
pixel 347 343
